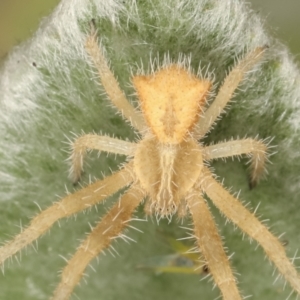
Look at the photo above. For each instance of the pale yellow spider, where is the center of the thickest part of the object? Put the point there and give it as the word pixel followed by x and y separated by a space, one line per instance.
pixel 168 168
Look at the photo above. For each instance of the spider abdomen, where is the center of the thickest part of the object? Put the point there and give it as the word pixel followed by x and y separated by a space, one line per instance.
pixel 161 170
pixel 171 101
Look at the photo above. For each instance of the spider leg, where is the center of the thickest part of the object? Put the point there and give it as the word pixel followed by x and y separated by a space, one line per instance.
pixel 100 238
pixel 95 142
pixel 257 149
pixel 71 204
pixel 238 214
pixel 226 91
pixel 110 84
pixel 210 244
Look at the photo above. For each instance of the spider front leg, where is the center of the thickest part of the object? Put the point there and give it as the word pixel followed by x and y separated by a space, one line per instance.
pixel 248 223
pixel 226 91
pixel 210 245
pixel 257 149
pixel 71 204
pixel 95 142
pixel 110 84
pixel 100 238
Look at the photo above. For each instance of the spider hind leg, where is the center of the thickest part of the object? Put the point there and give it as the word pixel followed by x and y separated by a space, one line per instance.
pixel 225 93
pixel 110 83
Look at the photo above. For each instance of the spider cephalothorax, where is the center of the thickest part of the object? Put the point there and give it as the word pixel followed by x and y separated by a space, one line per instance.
pixel 167 168
pixel 163 174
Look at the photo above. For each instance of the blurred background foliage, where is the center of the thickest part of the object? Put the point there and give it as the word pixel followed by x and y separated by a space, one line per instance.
pixel 19 19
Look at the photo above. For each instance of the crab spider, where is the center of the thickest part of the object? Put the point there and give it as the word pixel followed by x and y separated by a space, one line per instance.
pixel 166 168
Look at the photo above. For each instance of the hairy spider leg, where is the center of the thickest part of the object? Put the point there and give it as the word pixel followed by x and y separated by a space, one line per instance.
pixel 95 142
pixel 226 91
pixel 71 204
pixel 211 246
pixel 110 84
pixel 107 229
pixel 248 223
pixel 256 148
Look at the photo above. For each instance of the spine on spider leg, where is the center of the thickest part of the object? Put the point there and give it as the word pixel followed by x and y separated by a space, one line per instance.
pixel 248 223
pixel 100 238
pixel 69 205
pixel 258 161
pixel 210 244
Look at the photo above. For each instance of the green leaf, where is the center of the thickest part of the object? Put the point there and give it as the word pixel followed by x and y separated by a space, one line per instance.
pixel 49 89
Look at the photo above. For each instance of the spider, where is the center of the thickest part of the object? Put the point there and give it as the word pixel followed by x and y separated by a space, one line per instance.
pixel 167 167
